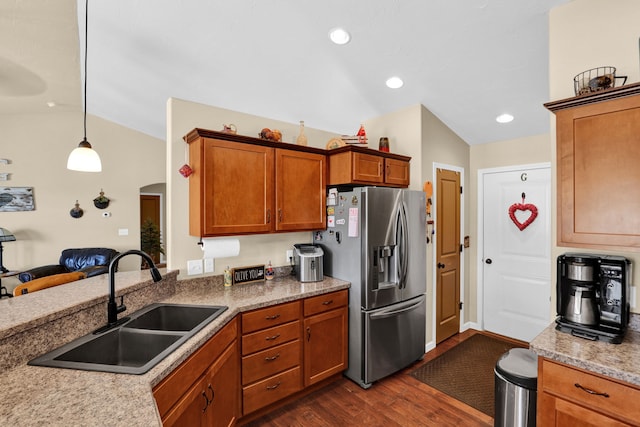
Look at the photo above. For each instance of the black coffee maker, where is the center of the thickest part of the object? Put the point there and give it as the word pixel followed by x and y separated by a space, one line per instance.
pixel 592 296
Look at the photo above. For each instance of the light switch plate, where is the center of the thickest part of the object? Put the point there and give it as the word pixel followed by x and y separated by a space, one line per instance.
pixel 208 265
pixel 194 266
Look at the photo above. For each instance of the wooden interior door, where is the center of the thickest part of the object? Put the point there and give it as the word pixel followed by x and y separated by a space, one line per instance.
pixel 447 254
pixel 150 208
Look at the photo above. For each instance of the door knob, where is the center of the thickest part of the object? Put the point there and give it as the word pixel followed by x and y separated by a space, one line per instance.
pixel 488 261
pixel 441 265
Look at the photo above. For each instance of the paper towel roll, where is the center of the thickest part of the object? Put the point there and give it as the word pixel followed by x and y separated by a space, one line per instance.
pixel 220 248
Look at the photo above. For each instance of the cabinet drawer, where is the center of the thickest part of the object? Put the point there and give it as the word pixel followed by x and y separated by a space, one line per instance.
pixel 270 316
pixel 271 337
pixel 562 381
pixel 270 361
pixel 271 390
pixel 326 302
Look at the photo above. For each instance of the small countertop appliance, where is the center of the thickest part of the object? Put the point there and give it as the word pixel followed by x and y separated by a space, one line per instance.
pixel 308 260
pixel 592 296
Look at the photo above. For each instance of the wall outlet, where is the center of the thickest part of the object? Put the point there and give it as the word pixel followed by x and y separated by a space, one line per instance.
pixel 290 255
pixel 194 266
pixel 208 265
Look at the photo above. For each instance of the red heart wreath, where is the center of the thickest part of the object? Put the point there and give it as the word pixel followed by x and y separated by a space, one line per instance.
pixel 523 207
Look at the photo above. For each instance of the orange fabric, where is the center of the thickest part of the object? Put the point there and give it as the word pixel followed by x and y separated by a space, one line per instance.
pixel 47 282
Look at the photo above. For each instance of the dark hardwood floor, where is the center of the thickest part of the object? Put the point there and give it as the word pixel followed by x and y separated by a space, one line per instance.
pixel 399 400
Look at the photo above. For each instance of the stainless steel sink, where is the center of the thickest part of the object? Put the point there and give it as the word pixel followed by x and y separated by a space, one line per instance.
pixel 150 335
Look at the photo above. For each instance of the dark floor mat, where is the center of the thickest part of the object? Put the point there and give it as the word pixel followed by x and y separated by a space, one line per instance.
pixel 465 372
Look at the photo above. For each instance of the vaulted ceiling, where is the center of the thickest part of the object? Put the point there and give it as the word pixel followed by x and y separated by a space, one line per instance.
pixel 466 61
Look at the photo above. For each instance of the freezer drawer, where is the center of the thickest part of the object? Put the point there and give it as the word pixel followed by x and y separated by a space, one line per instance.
pixel 394 338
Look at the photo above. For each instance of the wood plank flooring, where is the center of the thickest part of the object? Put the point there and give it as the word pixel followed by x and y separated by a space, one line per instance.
pixel 399 400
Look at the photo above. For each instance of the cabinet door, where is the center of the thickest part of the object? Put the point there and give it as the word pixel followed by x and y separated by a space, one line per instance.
pixel 191 409
pixel 224 408
pixel 300 190
pixel 368 168
pixel 598 153
pixel 214 400
pixel 325 345
pixel 237 188
pixel 396 172
pixel 560 413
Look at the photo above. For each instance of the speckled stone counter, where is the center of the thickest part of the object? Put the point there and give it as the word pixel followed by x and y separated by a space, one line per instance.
pixel 34 396
pixel 618 361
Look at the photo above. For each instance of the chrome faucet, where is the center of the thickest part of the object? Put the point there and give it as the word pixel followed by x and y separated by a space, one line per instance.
pixel 112 307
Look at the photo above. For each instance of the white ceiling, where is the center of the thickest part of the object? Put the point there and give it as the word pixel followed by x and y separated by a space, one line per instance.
pixel 467 61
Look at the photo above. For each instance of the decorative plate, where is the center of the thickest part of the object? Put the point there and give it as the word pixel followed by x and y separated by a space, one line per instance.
pixel 335 143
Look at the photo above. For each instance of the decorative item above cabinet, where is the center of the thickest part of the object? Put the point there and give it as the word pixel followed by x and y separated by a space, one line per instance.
pixel 244 185
pixel 353 165
pixel 598 154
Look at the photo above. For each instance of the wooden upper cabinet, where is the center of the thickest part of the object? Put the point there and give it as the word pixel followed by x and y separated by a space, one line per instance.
pixel 364 166
pixel 598 158
pixel 231 189
pixel 300 190
pixel 244 185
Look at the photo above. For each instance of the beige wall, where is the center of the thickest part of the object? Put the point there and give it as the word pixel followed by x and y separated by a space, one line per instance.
pixel 529 150
pixel 182 117
pixel 37 146
pixel 412 131
pixel 584 35
pixel 442 147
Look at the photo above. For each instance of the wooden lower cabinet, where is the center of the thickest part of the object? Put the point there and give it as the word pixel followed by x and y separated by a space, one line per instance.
pixel 271 355
pixel 258 359
pixel 325 336
pixel 205 389
pixel 569 396
pixel 289 347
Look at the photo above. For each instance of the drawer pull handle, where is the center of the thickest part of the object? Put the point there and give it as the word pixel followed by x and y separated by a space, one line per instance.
pixel 272 358
pixel 273 387
pixel 588 390
pixel 275 316
pixel 273 337
pixel 327 302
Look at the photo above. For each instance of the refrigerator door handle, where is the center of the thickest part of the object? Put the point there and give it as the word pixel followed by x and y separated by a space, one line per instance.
pixel 404 246
pixel 394 312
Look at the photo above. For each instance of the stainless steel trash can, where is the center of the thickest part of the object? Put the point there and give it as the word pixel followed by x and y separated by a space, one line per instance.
pixel 516 381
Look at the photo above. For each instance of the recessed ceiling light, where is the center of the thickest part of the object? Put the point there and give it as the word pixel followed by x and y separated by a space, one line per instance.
pixel 51 104
pixel 339 36
pixel 394 82
pixel 504 118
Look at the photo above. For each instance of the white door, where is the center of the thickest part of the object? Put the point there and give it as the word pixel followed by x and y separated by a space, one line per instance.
pixel 516 251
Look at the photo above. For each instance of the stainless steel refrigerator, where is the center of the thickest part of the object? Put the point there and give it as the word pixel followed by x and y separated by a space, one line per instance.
pixel 375 238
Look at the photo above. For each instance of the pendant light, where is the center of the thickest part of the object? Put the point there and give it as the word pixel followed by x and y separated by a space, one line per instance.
pixel 84 158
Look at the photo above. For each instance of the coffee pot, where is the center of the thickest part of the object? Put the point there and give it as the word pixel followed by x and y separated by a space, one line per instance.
pixel 582 306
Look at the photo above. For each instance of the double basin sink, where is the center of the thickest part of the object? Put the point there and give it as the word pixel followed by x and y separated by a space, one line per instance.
pixel 134 347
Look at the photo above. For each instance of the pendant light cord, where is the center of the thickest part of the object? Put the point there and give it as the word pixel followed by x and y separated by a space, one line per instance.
pixel 86 42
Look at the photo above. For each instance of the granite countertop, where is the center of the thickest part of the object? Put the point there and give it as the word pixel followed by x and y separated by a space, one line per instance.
pixel 34 395
pixel 617 361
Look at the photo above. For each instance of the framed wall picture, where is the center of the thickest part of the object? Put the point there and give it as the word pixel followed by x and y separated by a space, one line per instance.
pixel 16 199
